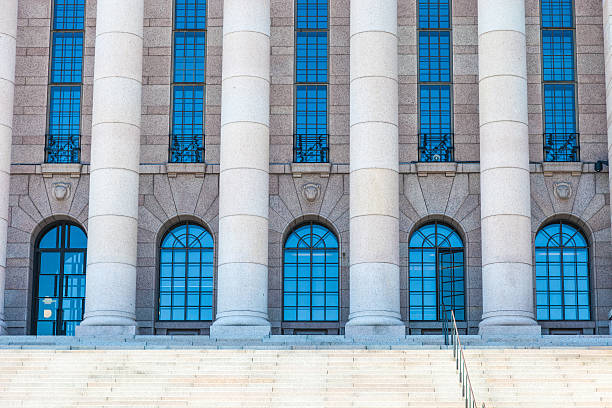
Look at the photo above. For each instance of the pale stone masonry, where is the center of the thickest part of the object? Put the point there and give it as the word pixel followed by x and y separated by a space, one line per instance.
pixel 249 177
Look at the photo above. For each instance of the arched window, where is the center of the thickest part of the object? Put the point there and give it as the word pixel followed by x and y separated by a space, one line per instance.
pixel 59 283
pixel 310 279
pixel 562 273
pixel 186 274
pixel 436 273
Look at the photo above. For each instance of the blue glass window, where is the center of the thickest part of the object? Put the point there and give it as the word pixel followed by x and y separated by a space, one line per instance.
pixel 189 56
pixel 434 14
pixel 190 15
pixel 311 275
pixel 67 59
pixel 311 78
pixel 436 273
pixel 558 55
pixel 311 58
pixel 186 274
pixel 434 56
pixel 557 13
pixel 562 273
pixel 59 292
pixel 65 77
pixel 312 14
pixel 436 137
pixel 435 81
pixel 561 137
pixel 68 15
pixel 189 82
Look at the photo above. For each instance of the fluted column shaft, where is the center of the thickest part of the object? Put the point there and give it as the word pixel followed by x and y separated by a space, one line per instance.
pixel 8 35
pixel 507 275
pixel 374 177
pixel 242 295
pixel 115 157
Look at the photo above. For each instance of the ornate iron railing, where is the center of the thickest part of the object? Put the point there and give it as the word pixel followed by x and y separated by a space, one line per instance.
pixel 451 337
pixel 187 148
pixel 62 148
pixel 311 149
pixel 560 147
pixel 436 147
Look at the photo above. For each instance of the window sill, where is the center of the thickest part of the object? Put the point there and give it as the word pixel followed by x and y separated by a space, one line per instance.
pixel 74 170
pixel 174 169
pixel 298 169
pixel 549 168
pixel 447 168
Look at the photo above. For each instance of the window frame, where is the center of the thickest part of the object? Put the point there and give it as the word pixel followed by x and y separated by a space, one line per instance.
pixel 184 324
pixel 51 84
pixel 63 225
pixel 543 83
pixel 450 84
pixel 327 84
pixel 174 84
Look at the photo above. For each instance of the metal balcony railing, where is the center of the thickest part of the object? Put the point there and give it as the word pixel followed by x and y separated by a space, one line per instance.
pixel 451 337
pixel 561 147
pixel 436 147
pixel 310 149
pixel 62 148
pixel 187 148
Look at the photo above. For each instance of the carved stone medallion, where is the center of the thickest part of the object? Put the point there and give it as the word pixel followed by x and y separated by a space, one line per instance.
pixel 61 191
pixel 563 190
pixel 311 191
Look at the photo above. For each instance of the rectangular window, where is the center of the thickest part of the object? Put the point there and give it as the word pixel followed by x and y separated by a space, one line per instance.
pixel 189 82
pixel 311 81
pixel 65 82
pixel 435 81
pixel 561 137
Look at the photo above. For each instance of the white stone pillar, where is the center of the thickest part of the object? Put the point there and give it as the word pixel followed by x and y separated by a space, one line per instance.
pixel 115 157
pixel 8 34
pixel 507 275
pixel 242 294
pixel 374 183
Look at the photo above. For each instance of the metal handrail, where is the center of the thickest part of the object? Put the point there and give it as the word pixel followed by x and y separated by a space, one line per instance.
pixel 451 335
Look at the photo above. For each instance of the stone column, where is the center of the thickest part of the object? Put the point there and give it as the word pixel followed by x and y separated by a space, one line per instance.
pixel 8 34
pixel 607 22
pixel 374 183
pixel 242 294
pixel 113 194
pixel 507 273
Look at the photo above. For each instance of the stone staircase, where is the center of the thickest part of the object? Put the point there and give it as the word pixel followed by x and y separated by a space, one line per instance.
pixel 229 378
pixel 542 378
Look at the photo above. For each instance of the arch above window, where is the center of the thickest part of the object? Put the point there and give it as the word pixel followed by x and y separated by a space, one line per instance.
pixel 311 274
pixel 59 282
pixel 186 274
pixel 436 273
pixel 562 273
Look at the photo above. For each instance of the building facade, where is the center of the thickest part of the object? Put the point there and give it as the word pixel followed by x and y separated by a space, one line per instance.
pixel 246 167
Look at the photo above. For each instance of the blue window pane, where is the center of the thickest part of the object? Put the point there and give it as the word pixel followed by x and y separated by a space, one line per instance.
pixel 189 56
pixel 434 14
pixel 76 238
pixel 436 273
pixel 311 56
pixel 557 14
pixel 64 124
pixel 187 141
pixel 51 239
pixel 311 14
pixel 435 136
pixel 69 14
pixel 67 57
pixel 561 280
pixel 558 55
pixel 311 123
pixel 434 56
pixel 190 14
pixel 186 274
pixel 315 291
pixel 560 137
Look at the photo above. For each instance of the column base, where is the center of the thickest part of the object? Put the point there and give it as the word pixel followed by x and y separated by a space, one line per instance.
pixel 240 327
pixel 509 326
pixel 3 330
pixel 105 331
pixel 370 326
